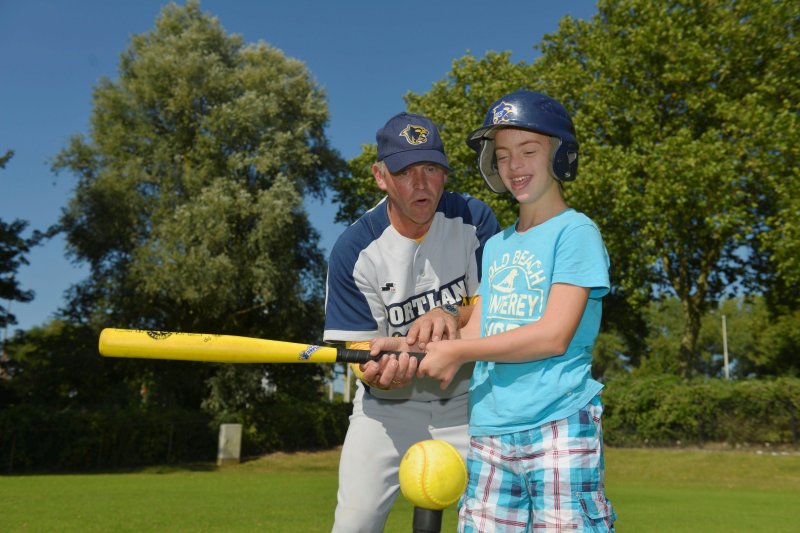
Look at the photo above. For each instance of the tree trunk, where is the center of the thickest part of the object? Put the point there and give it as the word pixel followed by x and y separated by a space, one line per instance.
pixel 688 359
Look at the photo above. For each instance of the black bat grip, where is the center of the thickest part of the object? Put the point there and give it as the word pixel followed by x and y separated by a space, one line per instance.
pixel 343 355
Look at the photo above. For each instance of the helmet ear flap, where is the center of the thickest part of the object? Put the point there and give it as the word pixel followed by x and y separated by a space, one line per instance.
pixel 487 163
pixel 565 161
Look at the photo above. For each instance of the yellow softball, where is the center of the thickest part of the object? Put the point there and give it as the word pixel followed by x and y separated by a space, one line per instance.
pixel 432 474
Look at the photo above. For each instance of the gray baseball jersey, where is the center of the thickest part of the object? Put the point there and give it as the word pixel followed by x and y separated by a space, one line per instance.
pixel 379 282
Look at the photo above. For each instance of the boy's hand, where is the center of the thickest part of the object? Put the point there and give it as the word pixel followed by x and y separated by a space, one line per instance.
pixel 442 361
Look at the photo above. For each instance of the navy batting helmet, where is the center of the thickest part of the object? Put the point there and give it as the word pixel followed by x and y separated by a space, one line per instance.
pixel 532 111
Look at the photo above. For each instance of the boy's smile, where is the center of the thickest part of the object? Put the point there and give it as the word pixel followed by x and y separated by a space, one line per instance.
pixel 523 162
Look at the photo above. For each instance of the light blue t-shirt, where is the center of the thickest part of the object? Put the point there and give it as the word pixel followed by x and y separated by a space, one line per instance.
pixel 518 271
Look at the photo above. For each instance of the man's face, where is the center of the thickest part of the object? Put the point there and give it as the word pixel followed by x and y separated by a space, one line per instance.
pixel 414 194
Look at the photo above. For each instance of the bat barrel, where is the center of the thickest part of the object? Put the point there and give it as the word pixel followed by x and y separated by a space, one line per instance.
pixel 144 344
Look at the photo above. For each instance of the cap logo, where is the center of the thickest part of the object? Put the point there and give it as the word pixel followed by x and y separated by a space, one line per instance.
pixel 501 114
pixel 415 134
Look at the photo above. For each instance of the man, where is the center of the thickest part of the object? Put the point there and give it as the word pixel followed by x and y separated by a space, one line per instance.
pixel 411 259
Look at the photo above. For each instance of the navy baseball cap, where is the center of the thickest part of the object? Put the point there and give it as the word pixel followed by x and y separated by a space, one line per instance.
pixel 407 139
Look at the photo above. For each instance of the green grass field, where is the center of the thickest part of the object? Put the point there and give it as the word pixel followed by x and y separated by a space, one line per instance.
pixel 652 491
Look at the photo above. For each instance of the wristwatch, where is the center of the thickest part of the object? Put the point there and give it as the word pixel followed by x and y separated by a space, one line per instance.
pixel 450 309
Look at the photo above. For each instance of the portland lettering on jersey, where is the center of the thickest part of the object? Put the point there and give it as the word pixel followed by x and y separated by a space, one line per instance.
pixel 405 312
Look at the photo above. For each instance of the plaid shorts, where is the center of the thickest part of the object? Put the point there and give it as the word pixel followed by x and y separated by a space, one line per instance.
pixel 548 478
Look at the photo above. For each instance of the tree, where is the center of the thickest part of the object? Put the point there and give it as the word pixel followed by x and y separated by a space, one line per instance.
pixel 688 121
pixel 664 318
pixel 457 105
pixel 759 343
pixel 13 247
pixel 56 366
pixel 687 116
pixel 188 206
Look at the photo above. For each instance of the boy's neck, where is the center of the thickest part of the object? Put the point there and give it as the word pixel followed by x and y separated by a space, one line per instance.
pixel 531 215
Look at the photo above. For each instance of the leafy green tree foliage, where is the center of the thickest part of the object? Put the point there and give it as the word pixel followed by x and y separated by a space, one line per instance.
pixel 188 206
pixel 457 105
pixel 759 344
pixel 609 357
pixel 687 115
pixel 688 122
pixel 13 247
pixel 56 366
pixel 664 319
pixel 356 193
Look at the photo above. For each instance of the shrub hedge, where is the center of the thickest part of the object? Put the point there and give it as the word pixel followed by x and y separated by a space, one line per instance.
pixel 639 411
pixel 668 411
pixel 37 438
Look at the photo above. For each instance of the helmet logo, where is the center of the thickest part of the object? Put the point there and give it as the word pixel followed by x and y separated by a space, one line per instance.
pixel 415 134
pixel 501 114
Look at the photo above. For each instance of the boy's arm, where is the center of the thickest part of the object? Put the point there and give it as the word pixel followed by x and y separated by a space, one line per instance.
pixel 471 329
pixel 547 337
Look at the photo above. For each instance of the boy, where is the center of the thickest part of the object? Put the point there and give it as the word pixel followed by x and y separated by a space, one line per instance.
pixel 536 454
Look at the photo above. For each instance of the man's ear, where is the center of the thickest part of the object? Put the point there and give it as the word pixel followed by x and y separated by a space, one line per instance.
pixel 378 175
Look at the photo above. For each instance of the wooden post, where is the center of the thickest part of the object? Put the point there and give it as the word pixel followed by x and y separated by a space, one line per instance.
pixel 230 444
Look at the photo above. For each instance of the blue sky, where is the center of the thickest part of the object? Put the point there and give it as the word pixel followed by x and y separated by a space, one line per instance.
pixel 365 54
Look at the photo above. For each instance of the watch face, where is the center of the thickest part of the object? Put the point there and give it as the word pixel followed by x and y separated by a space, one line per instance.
pixel 450 308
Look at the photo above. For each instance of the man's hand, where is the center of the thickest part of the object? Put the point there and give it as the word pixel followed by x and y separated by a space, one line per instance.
pixel 390 371
pixel 433 326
